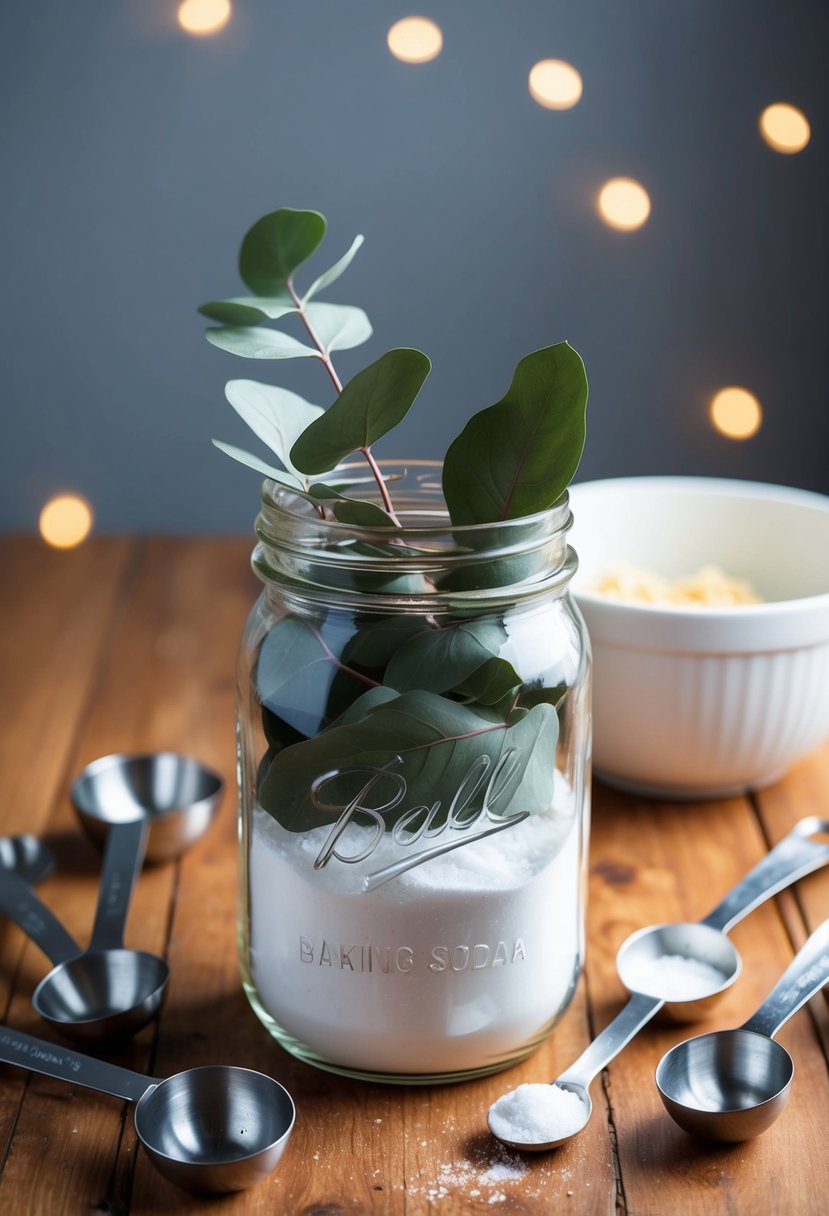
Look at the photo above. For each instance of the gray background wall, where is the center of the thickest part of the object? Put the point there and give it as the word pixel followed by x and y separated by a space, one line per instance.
pixel 134 157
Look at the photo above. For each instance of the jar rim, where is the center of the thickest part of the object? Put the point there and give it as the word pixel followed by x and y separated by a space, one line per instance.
pixel 285 504
pixel 429 559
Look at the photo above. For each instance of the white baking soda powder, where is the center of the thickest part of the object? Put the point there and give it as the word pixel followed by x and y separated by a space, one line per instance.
pixel 454 964
pixel 674 977
pixel 537 1114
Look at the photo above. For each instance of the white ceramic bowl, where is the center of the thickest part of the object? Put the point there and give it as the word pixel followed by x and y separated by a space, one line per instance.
pixel 705 702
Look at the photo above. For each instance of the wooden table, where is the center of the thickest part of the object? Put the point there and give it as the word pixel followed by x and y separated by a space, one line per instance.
pixel 126 645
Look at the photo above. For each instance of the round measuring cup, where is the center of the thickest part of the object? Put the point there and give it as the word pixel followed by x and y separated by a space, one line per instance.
pixel 701 942
pixel 730 1085
pixel 209 1130
pixel 178 796
pixel 107 992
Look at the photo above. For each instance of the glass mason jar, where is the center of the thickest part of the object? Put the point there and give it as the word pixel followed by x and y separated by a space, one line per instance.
pixel 414 750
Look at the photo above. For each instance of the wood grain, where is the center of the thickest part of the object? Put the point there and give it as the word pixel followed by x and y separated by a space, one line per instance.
pixel 143 635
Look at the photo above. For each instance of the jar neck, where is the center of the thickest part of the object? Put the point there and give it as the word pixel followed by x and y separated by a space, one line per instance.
pixel 427 561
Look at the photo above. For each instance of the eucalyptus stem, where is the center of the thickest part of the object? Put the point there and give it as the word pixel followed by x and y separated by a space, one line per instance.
pixel 351 671
pixel 313 335
pixel 384 489
pixel 338 385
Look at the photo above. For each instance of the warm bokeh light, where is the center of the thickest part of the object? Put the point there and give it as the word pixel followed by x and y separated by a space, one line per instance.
pixel 415 40
pixel 204 16
pixel 65 521
pixel 785 128
pixel 624 204
pixel 736 413
pixel 555 84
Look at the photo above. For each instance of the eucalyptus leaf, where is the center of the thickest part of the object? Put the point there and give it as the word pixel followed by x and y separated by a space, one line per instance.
pixel 294 673
pixel 374 643
pixel 442 659
pixel 554 696
pixel 430 741
pixel 248 310
pixel 358 709
pixel 275 245
pixel 361 514
pixel 351 510
pixel 253 462
pixel 491 682
pixel 279 734
pixel 253 342
pixel 276 415
pixel 338 326
pixel 330 276
pixel 374 401
pixel 518 456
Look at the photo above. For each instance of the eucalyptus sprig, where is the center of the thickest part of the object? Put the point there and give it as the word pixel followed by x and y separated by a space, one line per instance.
pixel 512 459
pixel 442 697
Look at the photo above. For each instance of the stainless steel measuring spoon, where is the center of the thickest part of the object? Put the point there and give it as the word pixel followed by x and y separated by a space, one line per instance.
pixel 731 1085
pixel 703 942
pixel 26 856
pixel 108 992
pixel 208 1130
pixel 178 796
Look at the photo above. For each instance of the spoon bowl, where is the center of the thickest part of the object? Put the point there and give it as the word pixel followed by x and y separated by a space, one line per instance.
pixel 103 994
pixel 727 1086
pixel 178 796
pixel 216 1128
pixel 542 1146
pixel 26 856
pixel 731 1085
pixel 711 962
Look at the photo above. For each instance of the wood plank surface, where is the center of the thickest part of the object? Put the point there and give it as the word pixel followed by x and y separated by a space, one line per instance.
pixel 130 645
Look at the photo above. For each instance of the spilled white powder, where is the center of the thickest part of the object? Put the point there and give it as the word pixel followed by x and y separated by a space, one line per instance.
pixel 503 1171
pixel 476 1177
pixel 537 1114
pixel 455 964
pixel 673 977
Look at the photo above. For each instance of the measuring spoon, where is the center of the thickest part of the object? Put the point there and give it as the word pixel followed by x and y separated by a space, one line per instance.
pixel 156 802
pixel 178 796
pixel 208 1130
pixel 731 1085
pixel 702 942
pixel 107 992
pixel 26 856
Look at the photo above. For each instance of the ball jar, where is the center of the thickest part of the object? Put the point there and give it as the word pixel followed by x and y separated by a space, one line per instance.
pixel 414 751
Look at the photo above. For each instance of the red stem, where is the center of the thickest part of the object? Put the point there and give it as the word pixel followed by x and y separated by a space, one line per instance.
pixel 384 489
pixel 358 675
pixel 335 379
pixel 312 334
pixel 472 734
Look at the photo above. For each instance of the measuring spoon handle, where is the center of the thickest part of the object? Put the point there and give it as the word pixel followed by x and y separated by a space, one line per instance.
pixel 126 844
pixel 791 858
pixel 25 1051
pixel 609 1042
pixel 805 975
pixel 19 902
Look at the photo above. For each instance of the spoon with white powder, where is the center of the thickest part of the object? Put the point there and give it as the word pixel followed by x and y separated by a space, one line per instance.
pixel 680 968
